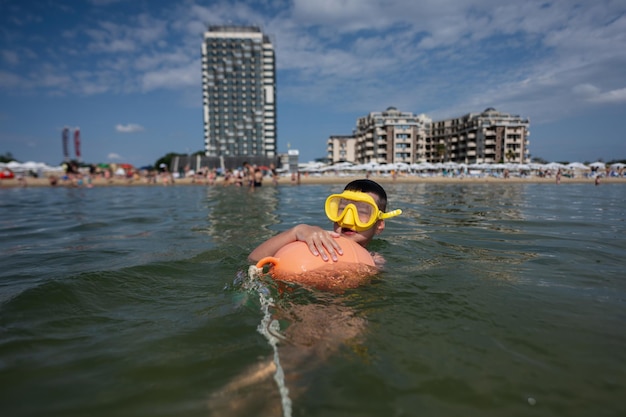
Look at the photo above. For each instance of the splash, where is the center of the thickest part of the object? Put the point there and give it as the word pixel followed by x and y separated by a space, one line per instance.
pixel 270 328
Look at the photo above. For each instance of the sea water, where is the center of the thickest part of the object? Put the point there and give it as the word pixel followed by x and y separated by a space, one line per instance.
pixel 496 299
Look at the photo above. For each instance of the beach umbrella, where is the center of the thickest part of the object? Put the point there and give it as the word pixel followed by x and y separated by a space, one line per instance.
pixel 520 167
pixel 311 169
pixel 363 167
pixel 597 165
pixel 554 165
pixel 423 166
pixel 311 166
pixel 576 165
pixel 340 166
pixel 618 165
pixel 385 167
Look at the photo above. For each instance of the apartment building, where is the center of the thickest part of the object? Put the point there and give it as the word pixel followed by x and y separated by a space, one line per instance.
pixel 238 92
pixel 487 137
pixel 341 148
pixel 393 136
pixel 383 137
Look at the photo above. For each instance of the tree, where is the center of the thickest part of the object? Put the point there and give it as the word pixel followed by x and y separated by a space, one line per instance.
pixel 167 159
pixel 510 155
pixel 441 151
pixel 7 157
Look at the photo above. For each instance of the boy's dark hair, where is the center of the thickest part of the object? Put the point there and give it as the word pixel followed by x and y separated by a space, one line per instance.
pixel 369 186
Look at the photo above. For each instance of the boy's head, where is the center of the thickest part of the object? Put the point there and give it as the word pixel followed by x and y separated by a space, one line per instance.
pixel 372 187
pixel 359 212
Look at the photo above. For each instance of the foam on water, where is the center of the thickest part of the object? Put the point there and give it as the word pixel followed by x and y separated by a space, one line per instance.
pixel 270 328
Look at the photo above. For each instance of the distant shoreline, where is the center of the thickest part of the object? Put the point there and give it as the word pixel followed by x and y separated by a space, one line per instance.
pixel 309 179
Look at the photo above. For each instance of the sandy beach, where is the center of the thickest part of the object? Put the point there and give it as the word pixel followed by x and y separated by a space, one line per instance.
pixel 307 179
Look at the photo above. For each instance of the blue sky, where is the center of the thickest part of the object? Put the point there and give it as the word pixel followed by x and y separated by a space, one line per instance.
pixel 127 72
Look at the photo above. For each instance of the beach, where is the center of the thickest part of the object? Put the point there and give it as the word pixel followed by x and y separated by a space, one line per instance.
pixel 308 179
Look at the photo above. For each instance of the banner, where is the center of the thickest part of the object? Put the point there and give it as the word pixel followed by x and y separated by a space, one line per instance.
pixel 65 137
pixel 77 142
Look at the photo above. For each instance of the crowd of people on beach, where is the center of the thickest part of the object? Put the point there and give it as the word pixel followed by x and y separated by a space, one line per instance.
pixel 253 176
pixel 248 175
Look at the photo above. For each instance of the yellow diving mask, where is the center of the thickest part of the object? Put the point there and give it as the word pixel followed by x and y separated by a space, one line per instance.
pixel 355 210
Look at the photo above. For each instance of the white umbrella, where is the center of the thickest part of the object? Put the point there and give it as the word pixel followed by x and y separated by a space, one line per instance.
pixel 554 165
pixel 422 166
pixel 597 165
pixel 387 167
pixel 358 167
pixel 307 168
pixel 520 167
pixel 618 165
pixel 576 165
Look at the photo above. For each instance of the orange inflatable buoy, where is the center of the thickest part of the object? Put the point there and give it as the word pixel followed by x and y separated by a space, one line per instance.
pixel 295 263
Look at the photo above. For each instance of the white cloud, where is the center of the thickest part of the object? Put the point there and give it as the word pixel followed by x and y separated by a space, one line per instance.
pixel 527 56
pixel 129 128
pixel 114 156
pixel 613 96
pixel 182 76
pixel 435 56
pixel 10 57
pixel 10 81
pixel 585 90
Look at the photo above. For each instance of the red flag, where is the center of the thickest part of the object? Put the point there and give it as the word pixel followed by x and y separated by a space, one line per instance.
pixel 65 137
pixel 77 142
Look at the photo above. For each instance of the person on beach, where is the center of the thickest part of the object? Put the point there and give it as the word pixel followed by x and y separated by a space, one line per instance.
pixel 257 177
pixel 357 214
pixel 248 174
pixel 274 174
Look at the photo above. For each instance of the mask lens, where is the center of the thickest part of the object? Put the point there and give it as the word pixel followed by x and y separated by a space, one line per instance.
pixel 365 210
pixel 335 208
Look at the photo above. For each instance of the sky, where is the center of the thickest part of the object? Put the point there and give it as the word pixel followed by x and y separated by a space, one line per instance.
pixel 128 72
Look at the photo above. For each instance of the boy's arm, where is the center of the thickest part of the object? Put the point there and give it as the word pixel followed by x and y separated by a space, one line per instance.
pixel 320 242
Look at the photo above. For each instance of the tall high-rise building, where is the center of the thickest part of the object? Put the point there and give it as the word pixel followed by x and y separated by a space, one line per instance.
pixel 238 92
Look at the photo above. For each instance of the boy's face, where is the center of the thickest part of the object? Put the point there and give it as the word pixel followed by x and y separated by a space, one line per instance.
pixel 365 236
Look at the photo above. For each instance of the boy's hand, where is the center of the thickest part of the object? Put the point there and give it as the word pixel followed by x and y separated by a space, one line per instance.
pixel 320 242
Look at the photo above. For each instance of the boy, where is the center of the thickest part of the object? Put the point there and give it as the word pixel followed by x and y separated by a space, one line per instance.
pixel 357 214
